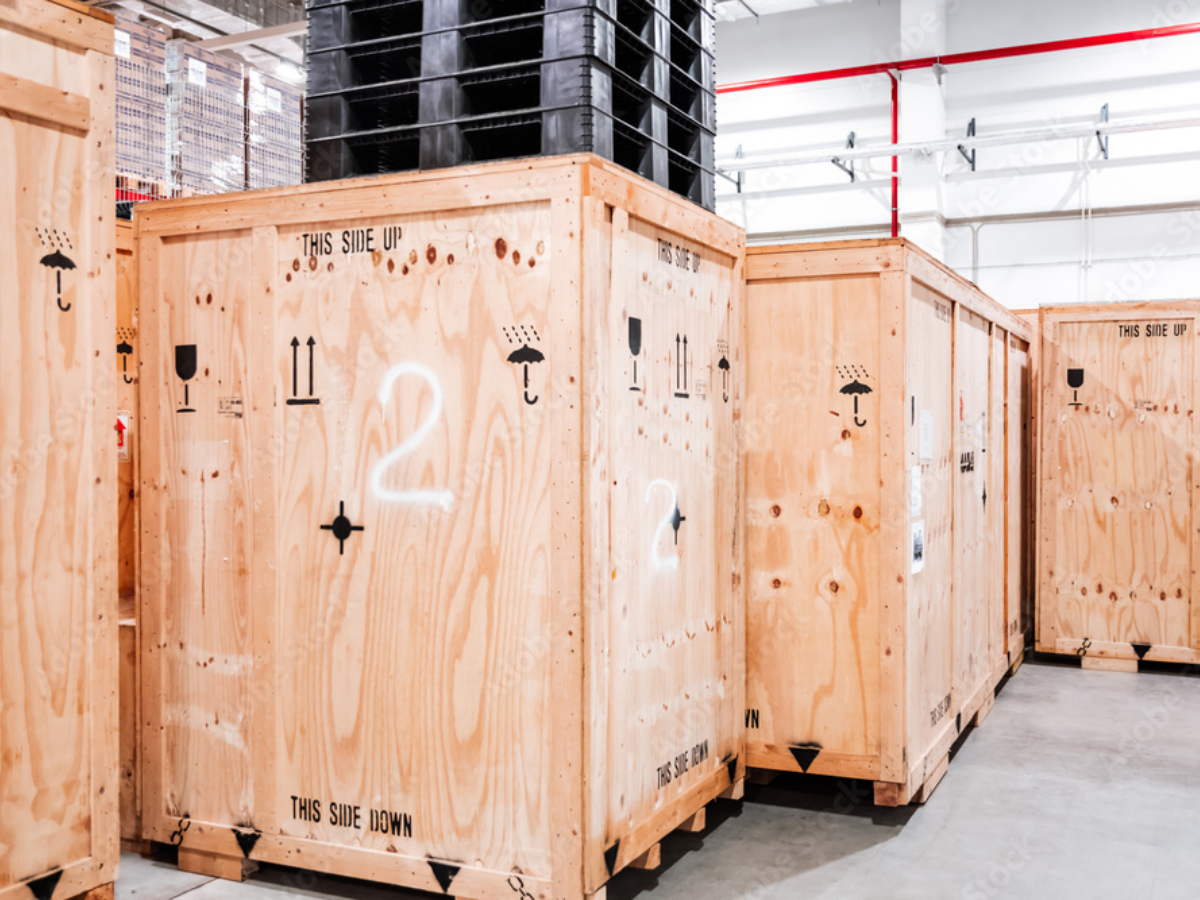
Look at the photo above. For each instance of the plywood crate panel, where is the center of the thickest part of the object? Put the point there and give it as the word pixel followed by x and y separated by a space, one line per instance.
pixel 1117 534
pixel 440 543
pixel 58 472
pixel 884 422
pixel 1024 567
pixel 127 534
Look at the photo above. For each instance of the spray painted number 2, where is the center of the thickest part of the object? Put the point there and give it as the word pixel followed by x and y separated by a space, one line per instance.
pixel 672 519
pixel 426 497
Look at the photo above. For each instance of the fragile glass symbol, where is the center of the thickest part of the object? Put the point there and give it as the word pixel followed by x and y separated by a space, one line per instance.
pixel 635 346
pixel 1075 381
pixel 185 368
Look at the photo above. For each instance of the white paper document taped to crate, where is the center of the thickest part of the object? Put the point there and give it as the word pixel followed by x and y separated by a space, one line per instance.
pixel 926 435
pixel 914 499
pixel 121 43
pixel 197 73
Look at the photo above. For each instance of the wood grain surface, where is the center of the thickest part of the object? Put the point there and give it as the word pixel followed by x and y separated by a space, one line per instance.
pixel 58 592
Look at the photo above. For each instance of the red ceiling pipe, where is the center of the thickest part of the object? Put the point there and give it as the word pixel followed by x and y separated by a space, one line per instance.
pixel 1102 40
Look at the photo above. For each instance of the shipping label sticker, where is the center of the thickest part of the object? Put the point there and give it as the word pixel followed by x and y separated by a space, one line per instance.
pixel 918 547
pixel 123 435
pixel 230 407
pixel 121 44
pixel 914 500
pixel 926 435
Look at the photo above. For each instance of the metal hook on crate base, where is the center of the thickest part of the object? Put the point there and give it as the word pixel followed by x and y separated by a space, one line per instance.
pixel 1100 134
pixel 848 169
pixel 969 157
pixel 177 835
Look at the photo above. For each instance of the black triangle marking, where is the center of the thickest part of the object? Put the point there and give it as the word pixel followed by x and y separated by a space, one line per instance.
pixel 610 857
pixel 246 840
pixel 805 754
pixel 733 771
pixel 958 723
pixel 1141 649
pixel 43 888
pixel 444 873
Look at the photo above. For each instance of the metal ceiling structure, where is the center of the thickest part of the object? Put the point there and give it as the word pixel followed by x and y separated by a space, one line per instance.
pixel 202 20
pixel 733 10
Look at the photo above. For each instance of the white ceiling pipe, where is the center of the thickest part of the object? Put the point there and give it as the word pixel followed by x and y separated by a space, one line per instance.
pixel 926 148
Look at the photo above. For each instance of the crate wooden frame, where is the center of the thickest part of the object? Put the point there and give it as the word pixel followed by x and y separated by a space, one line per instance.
pixel 911 758
pixel 588 201
pixel 127 540
pixel 1075 638
pixel 58 659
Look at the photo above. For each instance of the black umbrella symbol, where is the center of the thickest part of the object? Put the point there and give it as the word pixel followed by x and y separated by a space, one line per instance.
pixel 124 349
pixel 524 355
pixel 723 365
pixel 856 387
pixel 58 262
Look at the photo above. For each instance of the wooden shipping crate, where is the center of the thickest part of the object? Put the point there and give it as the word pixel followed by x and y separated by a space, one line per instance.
pixel 441 559
pixel 883 426
pixel 1118 540
pixel 58 469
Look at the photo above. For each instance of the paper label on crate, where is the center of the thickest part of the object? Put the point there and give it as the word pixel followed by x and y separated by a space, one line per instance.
pixel 121 44
pixel 123 435
pixel 274 100
pixel 914 500
pixel 197 73
pixel 926 435
pixel 918 547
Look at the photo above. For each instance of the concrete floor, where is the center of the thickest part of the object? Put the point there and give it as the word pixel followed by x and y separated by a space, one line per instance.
pixel 1079 785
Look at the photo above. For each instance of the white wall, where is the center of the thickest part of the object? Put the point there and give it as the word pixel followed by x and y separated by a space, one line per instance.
pixel 1017 225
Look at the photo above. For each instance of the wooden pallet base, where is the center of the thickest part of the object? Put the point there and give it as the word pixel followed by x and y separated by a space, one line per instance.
pixel 1107 664
pixel 216 865
pixel 889 793
pixel 982 713
pixel 142 848
pixel 100 892
pixel 735 791
pixel 1017 662
pixel 237 868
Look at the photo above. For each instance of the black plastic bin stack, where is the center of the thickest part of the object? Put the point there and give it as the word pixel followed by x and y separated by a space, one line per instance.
pixel 395 85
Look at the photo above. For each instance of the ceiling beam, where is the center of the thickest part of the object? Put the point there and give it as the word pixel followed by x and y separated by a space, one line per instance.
pixel 242 38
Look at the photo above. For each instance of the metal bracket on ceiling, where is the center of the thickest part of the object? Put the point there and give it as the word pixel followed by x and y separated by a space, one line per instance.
pixel 969 157
pixel 1100 134
pixel 848 169
pixel 750 9
pixel 740 181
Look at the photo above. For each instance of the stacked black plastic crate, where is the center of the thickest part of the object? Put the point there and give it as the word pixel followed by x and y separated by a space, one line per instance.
pixel 395 85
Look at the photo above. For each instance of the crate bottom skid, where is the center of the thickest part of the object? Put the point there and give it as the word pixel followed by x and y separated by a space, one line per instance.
pixel 886 439
pixel 441 578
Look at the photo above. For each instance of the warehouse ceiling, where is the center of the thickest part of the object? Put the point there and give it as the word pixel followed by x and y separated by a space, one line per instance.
pixel 732 10
pixel 284 56
pixel 203 19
